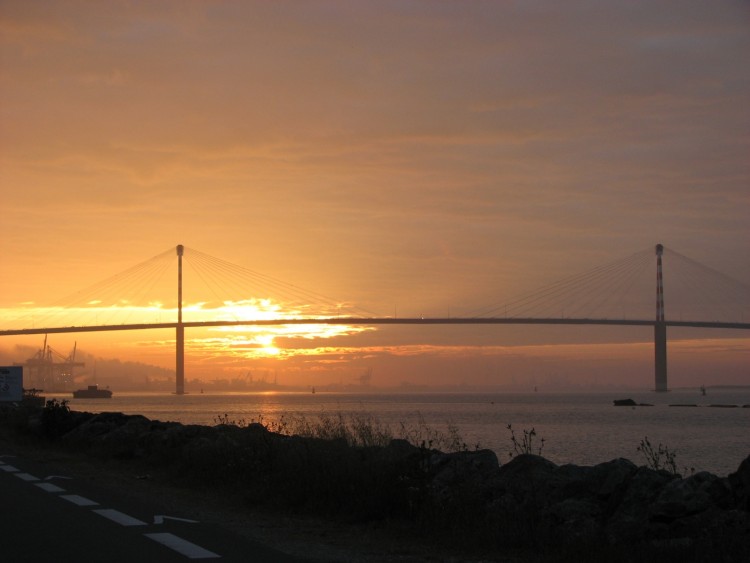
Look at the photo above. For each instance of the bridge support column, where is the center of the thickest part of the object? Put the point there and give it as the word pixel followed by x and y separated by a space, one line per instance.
pixel 180 364
pixel 660 357
pixel 180 336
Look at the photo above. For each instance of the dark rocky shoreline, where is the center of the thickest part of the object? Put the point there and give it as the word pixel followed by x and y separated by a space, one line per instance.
pixel 464 497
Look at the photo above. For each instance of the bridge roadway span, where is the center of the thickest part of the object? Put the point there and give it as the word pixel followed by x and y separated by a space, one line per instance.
pixel 377 321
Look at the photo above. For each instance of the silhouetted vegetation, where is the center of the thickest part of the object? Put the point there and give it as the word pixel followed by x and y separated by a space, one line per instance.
pixel 357 429
pixel 526 444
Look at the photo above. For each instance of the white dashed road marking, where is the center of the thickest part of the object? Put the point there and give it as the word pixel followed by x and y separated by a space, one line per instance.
pixel 120 517
pixel 79 500
pixel 159 519
pixel 48 477
pixel 183 547
pixel 50 488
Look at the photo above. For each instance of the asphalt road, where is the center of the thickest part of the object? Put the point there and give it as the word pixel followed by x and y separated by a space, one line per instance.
pixel 59 518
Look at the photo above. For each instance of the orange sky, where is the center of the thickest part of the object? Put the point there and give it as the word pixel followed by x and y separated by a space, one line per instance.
pixel 427 158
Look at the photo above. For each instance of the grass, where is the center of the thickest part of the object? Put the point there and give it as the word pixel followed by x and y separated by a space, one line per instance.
pixel 660 457
pixel 358 430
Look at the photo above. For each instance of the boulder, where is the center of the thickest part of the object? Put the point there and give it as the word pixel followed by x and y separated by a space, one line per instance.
pixel 604 482
pixel 739 481
pixel 630 518
pixel 460 477
pixel 685 497
pixel 461 467
pixel 573 520
pixel 521 485
pixel 93 430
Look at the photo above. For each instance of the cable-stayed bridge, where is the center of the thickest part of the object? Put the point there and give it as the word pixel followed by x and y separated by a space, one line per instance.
pixel 704 297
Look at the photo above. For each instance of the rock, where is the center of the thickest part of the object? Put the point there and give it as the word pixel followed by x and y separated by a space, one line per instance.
pixel 461 467
pixel 521 484
pixel 454 478
pixel 604 482
pixel 630 517
pixel 111 433
pixel 576 500
pixel 526 468
pixel 685 497
pixel 572 520
pixel 739 482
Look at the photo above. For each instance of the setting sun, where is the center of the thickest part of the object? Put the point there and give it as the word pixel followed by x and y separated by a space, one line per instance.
pixel 266 340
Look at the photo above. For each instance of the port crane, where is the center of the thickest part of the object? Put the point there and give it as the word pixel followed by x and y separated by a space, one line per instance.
pixel 49 370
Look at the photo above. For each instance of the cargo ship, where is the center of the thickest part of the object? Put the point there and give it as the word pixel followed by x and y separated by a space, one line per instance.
pixel 92 392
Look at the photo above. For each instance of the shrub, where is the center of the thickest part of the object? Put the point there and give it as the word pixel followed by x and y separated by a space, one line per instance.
pixel 425 437
pixel 658 458
pixel 526 444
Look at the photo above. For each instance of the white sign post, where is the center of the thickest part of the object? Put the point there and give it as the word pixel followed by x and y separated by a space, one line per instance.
pixel 11 383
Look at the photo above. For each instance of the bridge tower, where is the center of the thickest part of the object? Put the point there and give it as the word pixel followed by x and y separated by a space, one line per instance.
pixel 180 336
pixel 660 329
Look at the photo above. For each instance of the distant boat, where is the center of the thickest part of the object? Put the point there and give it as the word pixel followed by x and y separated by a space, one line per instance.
pixel 92 392
pixel 625 403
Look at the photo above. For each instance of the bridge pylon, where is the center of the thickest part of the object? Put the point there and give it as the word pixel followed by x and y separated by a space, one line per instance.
pixel 660 357
pixel 180 330
pixel 660 329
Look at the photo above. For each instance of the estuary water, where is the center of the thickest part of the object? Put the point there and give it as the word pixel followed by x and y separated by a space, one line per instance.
pixel 583 428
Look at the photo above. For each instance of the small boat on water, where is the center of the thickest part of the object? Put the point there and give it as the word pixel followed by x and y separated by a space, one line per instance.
pixel 624 403
pixel 92 392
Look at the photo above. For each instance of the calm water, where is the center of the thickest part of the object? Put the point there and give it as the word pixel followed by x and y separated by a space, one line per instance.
pixel 585 429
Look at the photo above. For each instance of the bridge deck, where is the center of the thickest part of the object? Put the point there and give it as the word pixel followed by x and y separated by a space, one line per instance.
pixel 375 321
